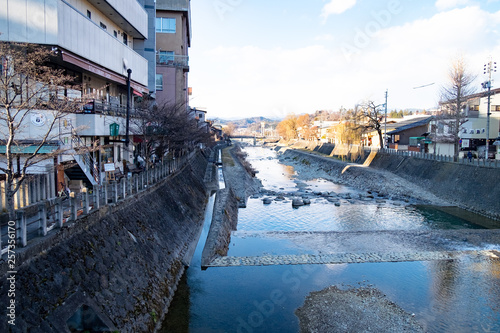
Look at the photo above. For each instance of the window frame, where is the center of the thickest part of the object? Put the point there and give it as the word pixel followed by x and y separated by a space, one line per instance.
pixel 159 87
pixel 164 25
pixel 166 56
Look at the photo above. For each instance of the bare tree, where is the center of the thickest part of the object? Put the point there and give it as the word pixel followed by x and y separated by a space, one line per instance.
pixel 168 130
pixel 368 117
pixel 31 91
pixel 454 98
pixel 230 129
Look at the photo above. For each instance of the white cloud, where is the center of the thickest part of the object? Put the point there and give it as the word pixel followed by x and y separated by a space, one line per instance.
pixel 448 4
pixel 336 7
pixel 324 37
pixel 250 81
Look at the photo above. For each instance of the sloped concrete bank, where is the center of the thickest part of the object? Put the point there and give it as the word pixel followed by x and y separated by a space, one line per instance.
pixel 474 188
pixel 470 187
pixel 118 268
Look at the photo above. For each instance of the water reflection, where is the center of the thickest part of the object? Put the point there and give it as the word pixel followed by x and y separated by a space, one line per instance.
pixel 445 296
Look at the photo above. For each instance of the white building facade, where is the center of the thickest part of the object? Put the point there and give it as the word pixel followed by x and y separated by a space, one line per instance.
pixel 96 42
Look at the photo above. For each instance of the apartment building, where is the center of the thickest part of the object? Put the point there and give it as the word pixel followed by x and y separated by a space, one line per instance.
pixel 473 131
pixel 173 39
pixel 104 45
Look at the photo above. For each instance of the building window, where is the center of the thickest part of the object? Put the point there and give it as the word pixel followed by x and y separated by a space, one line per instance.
pixel 159 82
pixel 103 26
pixel 125 39
pixel 166 56
pixel 495 108
pixel 115 33
pixel 89 14
pixel 166 25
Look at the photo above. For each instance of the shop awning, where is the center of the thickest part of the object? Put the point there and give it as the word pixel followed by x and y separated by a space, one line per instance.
pixel 29 149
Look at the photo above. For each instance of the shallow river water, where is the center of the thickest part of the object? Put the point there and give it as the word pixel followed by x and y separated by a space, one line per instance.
pixel 445 296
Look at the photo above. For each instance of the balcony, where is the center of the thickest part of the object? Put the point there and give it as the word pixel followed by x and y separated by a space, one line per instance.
pixel 173 60
pixel 110 109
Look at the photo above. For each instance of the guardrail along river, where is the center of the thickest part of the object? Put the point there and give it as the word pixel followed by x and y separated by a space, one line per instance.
pixel 346 238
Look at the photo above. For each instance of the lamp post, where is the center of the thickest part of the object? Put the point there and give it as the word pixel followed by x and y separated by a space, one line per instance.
pixel 127 124
pixel 489 68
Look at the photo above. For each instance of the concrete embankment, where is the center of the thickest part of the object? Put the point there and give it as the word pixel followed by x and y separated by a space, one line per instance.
pixel 117 268
pixel 471 187
pixel 239 185
pixel 474 188
pixel 224 220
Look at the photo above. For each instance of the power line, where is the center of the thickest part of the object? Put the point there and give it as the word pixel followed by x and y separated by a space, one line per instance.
pixel 425 85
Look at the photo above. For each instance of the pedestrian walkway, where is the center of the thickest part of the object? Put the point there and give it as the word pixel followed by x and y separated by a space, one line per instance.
pixel 345 258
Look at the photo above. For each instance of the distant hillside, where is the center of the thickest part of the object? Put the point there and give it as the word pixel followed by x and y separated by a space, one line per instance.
pixel 246 122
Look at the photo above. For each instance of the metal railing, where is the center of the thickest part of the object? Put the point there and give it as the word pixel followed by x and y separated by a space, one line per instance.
pixel 110 109
pixel 56 212
pixel 437 157
pixel 35 188
pixel 173 60
pixel 81 150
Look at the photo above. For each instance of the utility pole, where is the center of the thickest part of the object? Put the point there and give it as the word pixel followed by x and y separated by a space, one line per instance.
pixel 385 123
pixel 489 68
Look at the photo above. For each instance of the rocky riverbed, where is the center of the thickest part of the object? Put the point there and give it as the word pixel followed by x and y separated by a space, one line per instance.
pixel 363 178
pixel 346 308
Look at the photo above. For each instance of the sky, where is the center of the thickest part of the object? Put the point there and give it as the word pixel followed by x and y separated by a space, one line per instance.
pixel 272 58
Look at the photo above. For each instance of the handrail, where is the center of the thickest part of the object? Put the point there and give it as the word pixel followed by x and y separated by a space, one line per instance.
pixel 54 213
pixel 437 157
pixel 87 159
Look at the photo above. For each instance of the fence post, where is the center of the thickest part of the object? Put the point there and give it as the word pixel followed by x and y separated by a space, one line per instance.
pixel 50 181
pixel 21 225
pixel 86 201
pixel 97 196
pixel 115 191
pixel 106 195
pixel 42 217
pixel 130 185
pixel 123 182
pixel 44 186
pixel 2 191
pixel 72 206
pixel 24 188
pixel 59 211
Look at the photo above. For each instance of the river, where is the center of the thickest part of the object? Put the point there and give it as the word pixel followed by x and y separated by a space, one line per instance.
pixel 461 295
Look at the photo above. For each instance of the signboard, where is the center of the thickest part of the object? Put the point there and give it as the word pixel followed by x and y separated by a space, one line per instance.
pixel 109 167
pixel 465 143
pixel 114 129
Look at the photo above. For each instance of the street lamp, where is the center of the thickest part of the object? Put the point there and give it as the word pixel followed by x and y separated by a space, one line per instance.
pixel 127 124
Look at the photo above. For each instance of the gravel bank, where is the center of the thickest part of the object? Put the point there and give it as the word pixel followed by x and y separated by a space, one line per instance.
pixel 312 166
pixel 353 310
pixel 237 177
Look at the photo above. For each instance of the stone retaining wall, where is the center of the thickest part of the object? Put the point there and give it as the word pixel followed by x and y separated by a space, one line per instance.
pixel 117 267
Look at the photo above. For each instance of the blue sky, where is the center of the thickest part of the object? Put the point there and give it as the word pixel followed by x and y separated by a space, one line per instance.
pixel 272 58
